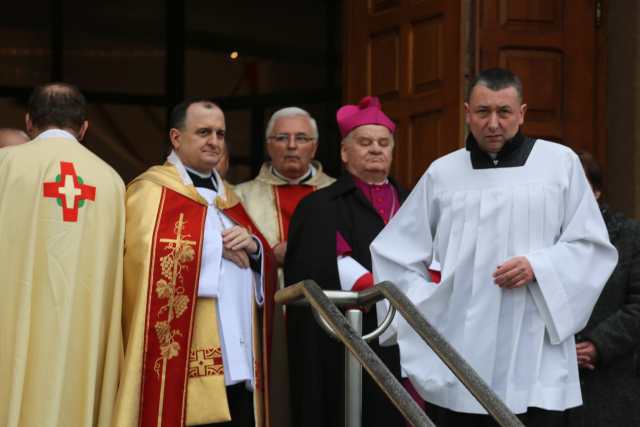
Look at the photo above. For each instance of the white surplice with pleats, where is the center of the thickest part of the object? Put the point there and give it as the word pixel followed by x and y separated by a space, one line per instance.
pixel 520 341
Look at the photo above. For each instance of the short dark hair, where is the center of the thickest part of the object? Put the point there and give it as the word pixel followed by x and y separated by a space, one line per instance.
pixel 496 79
pixel 59 105
pixel 591 169
pixel 178 115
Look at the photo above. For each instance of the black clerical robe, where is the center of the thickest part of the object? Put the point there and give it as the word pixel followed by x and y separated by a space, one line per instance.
pixel 316 361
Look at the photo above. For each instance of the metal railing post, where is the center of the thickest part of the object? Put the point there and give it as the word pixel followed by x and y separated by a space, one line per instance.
pixel 353 376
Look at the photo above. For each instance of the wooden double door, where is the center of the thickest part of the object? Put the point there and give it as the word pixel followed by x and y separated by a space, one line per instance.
pixel 418 55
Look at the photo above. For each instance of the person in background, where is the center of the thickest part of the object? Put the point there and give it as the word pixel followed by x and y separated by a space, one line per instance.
pixel 607 347
pixel 9 137
pixel 291 174
pixel 291 141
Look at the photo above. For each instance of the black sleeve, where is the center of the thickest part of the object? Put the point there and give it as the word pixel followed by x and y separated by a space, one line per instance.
pixel 619 333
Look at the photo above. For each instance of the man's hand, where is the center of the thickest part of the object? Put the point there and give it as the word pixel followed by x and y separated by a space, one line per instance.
pixel 587 355
pixel 238 238
pixel 280 250
pixel 239 257
pixel 513 273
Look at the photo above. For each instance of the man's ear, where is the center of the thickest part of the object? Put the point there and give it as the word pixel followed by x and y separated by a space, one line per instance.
pixel 28 125
pixel 343 153
pixel 83 130
pixel 466 112
pixel 174 137
pixel 523 110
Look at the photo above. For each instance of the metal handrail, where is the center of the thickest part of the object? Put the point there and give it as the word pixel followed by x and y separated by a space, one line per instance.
pixel 321 301
pixel 293 295
pixel 386 322
pixel 389 384
pixel 449 356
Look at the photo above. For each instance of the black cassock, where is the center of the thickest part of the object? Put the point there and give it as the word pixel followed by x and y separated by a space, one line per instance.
pixel 316 361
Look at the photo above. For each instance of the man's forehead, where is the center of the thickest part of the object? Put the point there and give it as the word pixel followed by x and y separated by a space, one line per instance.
pixel 295 123
pixel 203 115
pixel 371 131
pixel 482 95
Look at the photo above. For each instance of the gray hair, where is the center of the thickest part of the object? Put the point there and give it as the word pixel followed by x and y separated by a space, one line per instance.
pixel 291 112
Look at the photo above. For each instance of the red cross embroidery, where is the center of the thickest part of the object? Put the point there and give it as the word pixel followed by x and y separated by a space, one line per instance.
pixel 70 191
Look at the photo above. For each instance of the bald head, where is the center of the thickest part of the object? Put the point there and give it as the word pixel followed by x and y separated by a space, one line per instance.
pixel 10 137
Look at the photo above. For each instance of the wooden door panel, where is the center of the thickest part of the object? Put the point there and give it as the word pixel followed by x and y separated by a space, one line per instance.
pixel 426 139
pixel 426 62
pixel 379 6
pixel 541 73
pixel 401 151
pixel 407 52
pixel 551 45
pixel 383 66
pixel 531 15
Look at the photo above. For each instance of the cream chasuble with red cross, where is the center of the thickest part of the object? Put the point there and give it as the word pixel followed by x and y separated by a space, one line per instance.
pixel 62 228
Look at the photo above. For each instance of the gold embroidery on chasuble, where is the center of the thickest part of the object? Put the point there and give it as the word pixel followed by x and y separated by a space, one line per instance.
pixel 206 391
pixel 181 254
pixel 204 362
pixel 173 277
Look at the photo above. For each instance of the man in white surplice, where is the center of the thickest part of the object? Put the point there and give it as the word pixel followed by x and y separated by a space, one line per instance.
pixel 524 255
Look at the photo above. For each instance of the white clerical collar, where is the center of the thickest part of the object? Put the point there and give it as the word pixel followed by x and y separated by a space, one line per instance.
pixel 56 133
pixel 184 175
pixel 310 173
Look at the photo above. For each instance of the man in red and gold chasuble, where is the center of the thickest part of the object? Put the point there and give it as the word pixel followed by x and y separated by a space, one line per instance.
pixel 199 285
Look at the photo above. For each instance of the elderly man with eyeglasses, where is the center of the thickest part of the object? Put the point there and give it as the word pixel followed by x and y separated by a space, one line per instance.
pixel 271 198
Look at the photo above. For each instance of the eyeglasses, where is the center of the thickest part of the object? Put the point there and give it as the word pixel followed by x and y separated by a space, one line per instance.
pixel 298 138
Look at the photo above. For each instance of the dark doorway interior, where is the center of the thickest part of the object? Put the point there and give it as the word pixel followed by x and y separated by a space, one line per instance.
pixel 134 60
